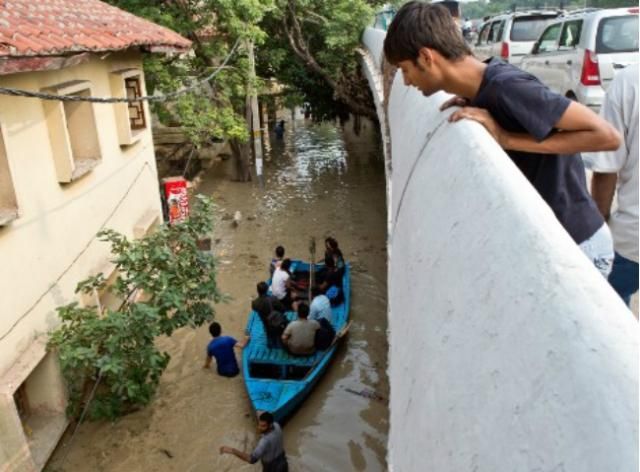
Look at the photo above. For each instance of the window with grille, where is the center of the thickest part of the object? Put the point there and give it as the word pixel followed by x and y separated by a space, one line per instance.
pixel 136 109
pixel 8 202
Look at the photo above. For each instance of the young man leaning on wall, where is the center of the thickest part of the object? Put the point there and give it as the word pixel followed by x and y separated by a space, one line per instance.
pixel 542 132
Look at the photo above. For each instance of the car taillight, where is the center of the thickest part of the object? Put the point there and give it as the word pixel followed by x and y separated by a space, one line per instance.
pixel 590 70
pixel 634 10
pixel 504 51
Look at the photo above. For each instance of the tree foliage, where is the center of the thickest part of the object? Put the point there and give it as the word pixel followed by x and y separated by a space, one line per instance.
pixel 312 47
pixel 214 26
pixel 164 283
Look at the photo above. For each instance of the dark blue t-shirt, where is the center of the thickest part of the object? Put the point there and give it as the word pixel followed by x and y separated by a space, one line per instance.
pixel 222 349
pixel 520 103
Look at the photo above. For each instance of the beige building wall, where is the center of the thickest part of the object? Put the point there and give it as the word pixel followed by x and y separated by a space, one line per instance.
pixel 67 187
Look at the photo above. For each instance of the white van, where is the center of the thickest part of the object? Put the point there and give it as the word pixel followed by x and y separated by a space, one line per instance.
pixel 511 36
pixel 578 55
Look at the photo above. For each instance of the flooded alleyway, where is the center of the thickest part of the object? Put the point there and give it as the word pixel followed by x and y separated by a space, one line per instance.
pixel 319 181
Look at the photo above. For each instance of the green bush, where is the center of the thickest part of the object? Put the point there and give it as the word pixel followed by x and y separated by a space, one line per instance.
pixel 164 282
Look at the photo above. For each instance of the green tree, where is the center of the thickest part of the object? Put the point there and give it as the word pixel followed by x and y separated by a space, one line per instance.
pixel 214 26
pixel 312 46
pixel 164 283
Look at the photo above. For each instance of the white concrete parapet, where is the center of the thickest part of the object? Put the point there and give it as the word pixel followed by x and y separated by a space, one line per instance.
pixel 508 350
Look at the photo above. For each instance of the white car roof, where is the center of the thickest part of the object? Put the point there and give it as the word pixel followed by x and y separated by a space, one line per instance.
pixel 601 12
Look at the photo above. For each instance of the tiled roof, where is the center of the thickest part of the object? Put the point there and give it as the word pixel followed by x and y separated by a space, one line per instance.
pixel 56 27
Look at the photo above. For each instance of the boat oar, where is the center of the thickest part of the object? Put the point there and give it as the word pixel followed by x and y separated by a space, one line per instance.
pixel 339 335
pixel 312 266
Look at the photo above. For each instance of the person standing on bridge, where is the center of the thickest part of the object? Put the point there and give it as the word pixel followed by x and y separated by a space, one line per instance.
pixel 619 171
pixel 542 132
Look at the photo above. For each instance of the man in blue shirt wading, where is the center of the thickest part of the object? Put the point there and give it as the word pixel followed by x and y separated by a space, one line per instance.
pixel 221 347
pixel 542 132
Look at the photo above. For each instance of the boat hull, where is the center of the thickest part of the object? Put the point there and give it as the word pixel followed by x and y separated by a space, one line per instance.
pixel 276 381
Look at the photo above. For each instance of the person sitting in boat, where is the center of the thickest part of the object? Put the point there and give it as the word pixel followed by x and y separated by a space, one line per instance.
pixel 221 347
pixel 270 448
pixel 281 284
pixel 333 252
pixel 332 284
pixel 299 335
pixel 276 261
pixel 265 305
pixel 320 307
pixel 320 310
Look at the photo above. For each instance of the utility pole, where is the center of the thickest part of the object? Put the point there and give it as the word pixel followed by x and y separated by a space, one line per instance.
pixel 256 132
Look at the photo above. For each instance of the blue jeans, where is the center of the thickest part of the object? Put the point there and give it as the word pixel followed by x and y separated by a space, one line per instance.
pixel 624 277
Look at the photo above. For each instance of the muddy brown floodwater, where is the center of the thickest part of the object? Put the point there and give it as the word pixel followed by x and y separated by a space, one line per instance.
pixel 321 180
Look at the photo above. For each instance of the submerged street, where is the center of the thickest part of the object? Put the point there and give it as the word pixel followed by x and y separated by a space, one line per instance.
pixel 320 180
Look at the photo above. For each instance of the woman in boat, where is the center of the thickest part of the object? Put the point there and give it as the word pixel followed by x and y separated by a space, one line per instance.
pixel 332 251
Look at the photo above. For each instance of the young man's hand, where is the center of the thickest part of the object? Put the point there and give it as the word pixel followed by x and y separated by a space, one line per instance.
pixel 454 102
pixel 484 118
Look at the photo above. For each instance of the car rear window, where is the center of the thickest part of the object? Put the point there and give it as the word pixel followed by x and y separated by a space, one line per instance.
pixel 617 34
pixel 528 28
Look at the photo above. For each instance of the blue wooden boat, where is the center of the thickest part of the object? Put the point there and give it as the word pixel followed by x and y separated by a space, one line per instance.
pixel 276 381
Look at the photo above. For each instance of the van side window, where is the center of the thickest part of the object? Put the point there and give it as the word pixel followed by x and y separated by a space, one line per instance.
pixel 570 34
pixel 549 39
pixel 496 31
pixel 484 34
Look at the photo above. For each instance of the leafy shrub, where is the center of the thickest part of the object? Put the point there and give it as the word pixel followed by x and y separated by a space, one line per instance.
pixel 164 282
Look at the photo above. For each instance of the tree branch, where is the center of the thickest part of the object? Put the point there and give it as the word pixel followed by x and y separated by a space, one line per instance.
pixel 299 45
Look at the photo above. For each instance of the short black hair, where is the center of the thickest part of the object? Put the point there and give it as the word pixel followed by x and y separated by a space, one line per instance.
pixel 286 263
pixel 315 291
pixel 266 417
pixel 262 287
pixel 303 310
pixel 420 25
pixel 215 329
pixel 280 251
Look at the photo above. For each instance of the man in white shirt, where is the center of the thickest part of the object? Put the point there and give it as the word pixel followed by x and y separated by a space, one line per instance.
pixel 619 170
pixel 281 283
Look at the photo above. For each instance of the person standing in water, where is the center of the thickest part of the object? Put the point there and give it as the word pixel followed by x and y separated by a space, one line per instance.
pixel 270 448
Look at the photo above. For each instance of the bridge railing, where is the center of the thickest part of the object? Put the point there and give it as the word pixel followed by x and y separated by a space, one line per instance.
pixel 508 350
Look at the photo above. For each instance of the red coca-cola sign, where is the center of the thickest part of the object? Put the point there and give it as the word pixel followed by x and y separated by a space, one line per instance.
pixel 175 193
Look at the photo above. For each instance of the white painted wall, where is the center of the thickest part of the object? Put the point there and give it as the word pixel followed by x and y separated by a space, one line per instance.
pixel 508 350
pixel 52 245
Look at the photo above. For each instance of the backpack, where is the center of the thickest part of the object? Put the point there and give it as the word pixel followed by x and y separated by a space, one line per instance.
pixel 276 321
pixel 324 336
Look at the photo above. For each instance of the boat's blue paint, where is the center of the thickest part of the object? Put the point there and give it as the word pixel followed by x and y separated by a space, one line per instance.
pixel 282 397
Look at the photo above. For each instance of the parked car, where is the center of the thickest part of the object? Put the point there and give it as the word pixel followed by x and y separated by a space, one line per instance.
pixel 511 36
pixel 578 54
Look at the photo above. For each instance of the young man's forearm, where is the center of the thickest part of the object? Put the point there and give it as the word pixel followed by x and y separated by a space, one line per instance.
pixel 603 187
pixel 563 142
